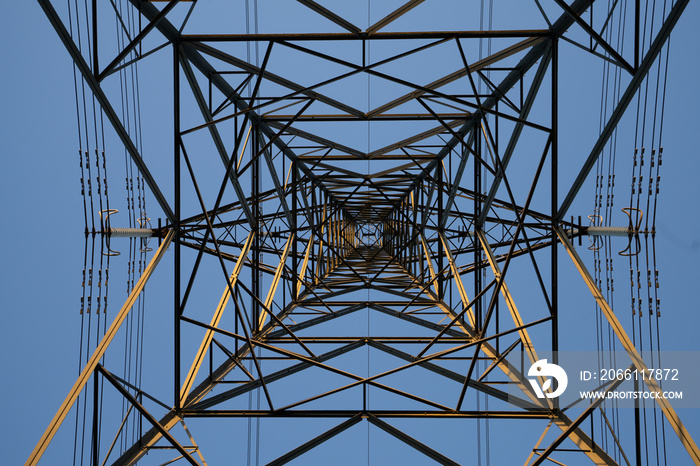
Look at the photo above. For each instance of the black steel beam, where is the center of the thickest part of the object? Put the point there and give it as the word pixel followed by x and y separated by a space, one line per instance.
pixel 408 440
pixel 328 14
pixel 300 450
pixel 366 36
pixel 394 15
pixel 320 414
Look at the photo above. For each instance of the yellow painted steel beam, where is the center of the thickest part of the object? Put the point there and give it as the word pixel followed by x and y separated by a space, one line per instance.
pixel 97 355
pixel 194 444
pixel 204 346
pixel 457 278
pixel 304 265
pixel 240 157
pixel 537 445
pixel 275 281
pixel 430 264
pixel 673 419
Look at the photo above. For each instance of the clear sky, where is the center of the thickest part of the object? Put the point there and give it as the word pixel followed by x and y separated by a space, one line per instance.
pixel 41 240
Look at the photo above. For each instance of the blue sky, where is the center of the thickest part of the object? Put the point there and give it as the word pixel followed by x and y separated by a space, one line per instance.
pixel 42 241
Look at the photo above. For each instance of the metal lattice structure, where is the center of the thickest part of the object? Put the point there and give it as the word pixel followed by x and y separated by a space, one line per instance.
pixel 351 196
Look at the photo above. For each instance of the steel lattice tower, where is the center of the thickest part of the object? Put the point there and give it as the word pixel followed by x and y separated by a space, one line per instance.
pixel 361 225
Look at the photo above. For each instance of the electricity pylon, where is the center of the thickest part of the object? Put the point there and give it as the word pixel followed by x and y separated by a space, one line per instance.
pixel 346 213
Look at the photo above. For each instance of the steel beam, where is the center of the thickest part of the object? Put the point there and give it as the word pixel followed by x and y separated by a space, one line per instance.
pixel 304 265
pixel 274 78
pixel 279 188
pixel 328 14
pixel 525 44
pixel 410 441
pixel 198 60
pixel 393 16
pixel 334 36
pixel 580 438
pixel 429 260
pixel 457 279
pixel 300 450
pixel 275 281
pixel 381 414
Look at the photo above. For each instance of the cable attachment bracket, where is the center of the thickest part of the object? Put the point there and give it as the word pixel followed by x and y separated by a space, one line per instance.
pixel 633 232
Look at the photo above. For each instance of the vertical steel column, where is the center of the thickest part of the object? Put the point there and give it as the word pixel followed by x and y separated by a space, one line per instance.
pixel 95 420
pixel 637 427
pixel 478 318
pixel 421 203
pixel 328 228
pixel 441 251
pixel 321 262
pixel 636 33
pixel 315 215
pixel 295 207
pixel 95 62
pixel 406 235
pixel 177 310
pixel 255 193
pixel 555 200
pixel 414 244
pixel 336 237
